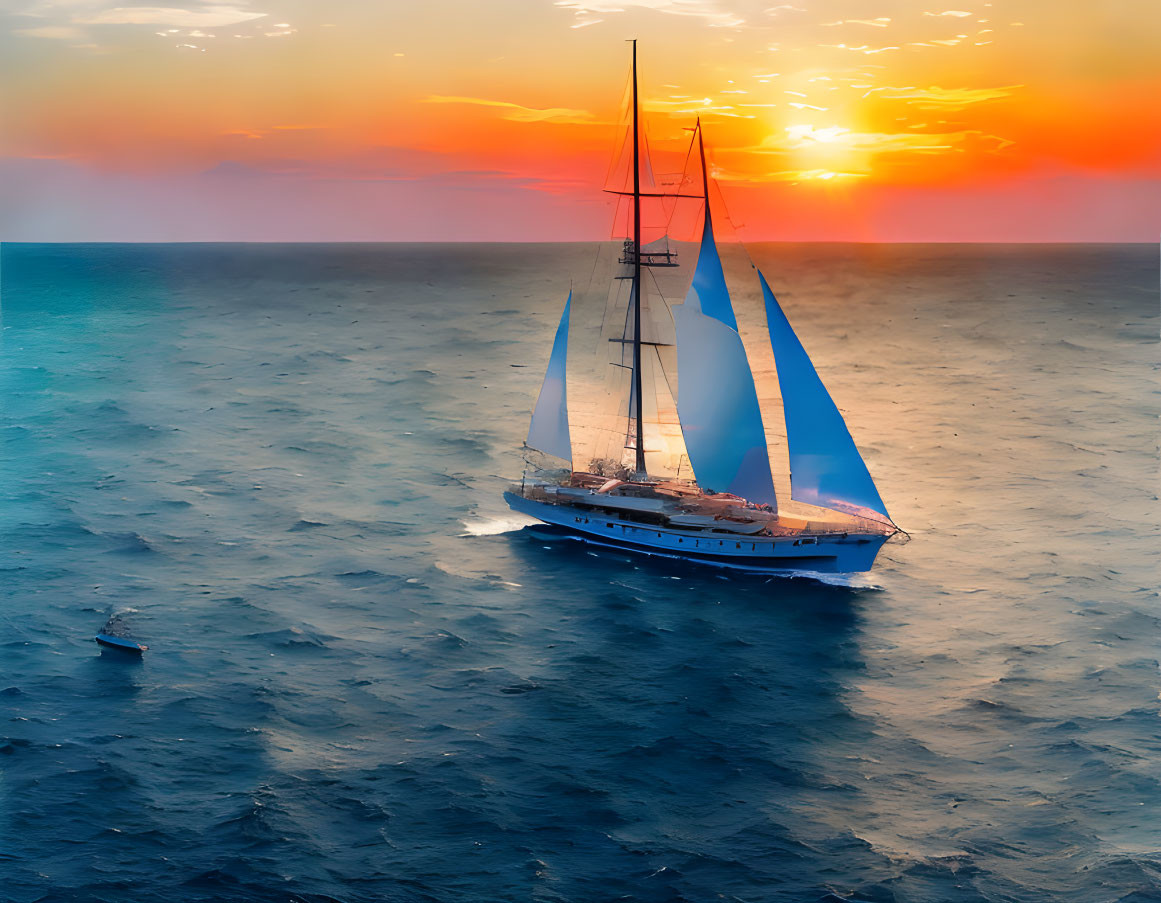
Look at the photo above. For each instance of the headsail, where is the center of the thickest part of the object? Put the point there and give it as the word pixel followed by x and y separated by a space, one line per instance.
pixel 549 429
pixel 826 468
pixel 716 399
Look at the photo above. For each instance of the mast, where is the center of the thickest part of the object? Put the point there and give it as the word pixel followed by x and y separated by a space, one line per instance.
pixel 704 173
pixel 637 389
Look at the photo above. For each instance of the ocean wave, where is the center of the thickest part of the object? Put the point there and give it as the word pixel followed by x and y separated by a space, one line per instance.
pixel 367 696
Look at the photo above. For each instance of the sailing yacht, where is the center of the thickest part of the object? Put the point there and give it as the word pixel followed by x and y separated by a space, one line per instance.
pixel 666 420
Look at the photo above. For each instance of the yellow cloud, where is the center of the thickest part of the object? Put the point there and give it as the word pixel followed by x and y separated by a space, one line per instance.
pixel 881 22
pixel 937 98
pixel 789 175
pixel 860 48
pixel 805 137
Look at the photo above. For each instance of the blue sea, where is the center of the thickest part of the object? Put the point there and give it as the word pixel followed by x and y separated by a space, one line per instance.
pixel 281 465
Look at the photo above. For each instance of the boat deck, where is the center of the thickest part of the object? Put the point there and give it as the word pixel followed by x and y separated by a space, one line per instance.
pixel 685 507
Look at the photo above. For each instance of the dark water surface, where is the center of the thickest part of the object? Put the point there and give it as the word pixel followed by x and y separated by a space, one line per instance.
pixel 281 465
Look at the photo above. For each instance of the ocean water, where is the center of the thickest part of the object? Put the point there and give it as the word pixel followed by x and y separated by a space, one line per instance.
pixel 281 466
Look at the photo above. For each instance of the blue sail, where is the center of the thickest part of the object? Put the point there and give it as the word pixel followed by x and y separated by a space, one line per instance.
pixel 710 281
pixel 549 429
pixel 826 468
pixel 717 403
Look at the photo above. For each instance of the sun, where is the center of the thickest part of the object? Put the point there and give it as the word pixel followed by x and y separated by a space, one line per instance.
pixel 821 153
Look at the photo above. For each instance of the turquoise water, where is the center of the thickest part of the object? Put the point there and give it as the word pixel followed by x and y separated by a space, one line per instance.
pixel 281 467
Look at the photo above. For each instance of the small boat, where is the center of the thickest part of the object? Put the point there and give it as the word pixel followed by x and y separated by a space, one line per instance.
pixel 672 409
pixel 124 645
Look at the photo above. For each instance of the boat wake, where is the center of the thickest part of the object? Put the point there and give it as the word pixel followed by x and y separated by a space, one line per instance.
pixel 494 526
pixel 850 581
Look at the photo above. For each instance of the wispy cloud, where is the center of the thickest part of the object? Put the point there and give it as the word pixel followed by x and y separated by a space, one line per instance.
pixel 881 22
pixel 589 12
pixel 788 175
pixel 518 113
pixel 53 32
pixel 417 172
pixel 937 98
pixel 861 48
pixel 256 133
pixel 702 106
pixel 955 13
pixel 803 137
pixel 201 17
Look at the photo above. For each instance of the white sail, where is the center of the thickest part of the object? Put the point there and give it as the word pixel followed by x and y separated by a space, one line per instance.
pixel 549 429
pixel 602 411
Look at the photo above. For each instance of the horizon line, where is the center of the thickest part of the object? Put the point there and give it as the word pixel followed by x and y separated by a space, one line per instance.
pixel 462 241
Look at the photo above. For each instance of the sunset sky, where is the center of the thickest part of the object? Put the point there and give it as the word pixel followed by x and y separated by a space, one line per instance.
pixel 875 120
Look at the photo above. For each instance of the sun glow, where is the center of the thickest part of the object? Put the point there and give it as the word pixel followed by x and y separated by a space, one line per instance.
pixel 285 121
pixel 826 135
pixel 819 154
pixel 826 175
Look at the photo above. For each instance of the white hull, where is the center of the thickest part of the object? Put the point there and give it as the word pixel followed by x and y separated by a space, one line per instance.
pixel 830 553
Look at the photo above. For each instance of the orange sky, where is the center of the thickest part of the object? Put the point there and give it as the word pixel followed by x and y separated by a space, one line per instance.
pixel 876 120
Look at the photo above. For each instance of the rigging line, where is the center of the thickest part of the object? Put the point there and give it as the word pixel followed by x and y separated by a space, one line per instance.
pixel 684 168
pixel 725 208
pixel 628 312
pixel 688 154
pixel 619 154
pixel 615 303
pixel 685 165
pixel 660 294
pixel 593 271
pixel 589 287
pixel 665 376
pixel 602 248
pixel 647 149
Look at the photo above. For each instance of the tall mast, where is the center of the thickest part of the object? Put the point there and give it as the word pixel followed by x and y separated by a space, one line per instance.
pixel 637 394
pixel 704 172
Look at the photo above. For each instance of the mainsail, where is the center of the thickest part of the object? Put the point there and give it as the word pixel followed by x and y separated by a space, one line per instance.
pixel 826 468
pixel 716 399
pixel 549 429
